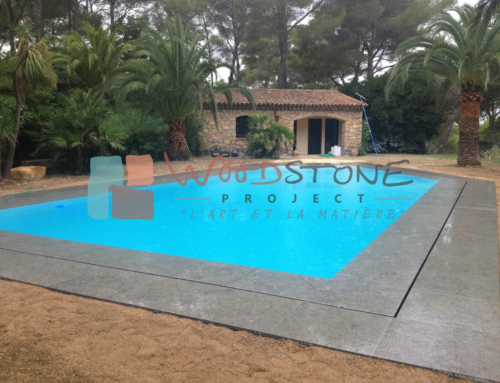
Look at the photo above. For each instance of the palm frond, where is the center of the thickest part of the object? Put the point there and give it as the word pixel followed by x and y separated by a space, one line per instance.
pixel 451 50
pixel 172 71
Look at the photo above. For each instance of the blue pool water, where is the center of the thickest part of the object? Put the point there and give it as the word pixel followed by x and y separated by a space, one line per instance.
pixel 285 241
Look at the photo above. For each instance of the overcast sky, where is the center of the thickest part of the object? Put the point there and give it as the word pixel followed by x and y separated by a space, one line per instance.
pixel 471 2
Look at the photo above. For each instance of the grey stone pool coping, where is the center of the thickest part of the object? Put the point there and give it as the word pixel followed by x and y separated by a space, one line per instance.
pixel 424 293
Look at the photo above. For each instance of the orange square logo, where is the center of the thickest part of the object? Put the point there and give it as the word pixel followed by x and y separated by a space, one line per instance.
pixel 140 170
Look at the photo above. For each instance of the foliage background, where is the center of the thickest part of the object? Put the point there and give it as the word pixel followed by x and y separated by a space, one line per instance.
pixel 405 122
pixel 344 44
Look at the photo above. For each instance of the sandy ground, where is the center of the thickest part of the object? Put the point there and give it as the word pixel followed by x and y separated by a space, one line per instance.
pixel 54 337
pixel 51 337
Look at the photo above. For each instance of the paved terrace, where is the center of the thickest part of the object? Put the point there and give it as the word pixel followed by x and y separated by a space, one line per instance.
pixel 424 293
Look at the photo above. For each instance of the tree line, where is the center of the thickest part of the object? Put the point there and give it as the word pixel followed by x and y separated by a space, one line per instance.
pixel 268 43
pixel 79 79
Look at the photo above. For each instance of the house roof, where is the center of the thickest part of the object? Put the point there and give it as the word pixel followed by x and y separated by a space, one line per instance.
pixel 292 99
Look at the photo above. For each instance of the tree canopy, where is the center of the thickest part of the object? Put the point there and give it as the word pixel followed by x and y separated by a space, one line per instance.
pixel 458 56
pixel 164 61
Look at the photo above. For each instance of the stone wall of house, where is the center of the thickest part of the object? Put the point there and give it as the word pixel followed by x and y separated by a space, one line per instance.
pixel 224 138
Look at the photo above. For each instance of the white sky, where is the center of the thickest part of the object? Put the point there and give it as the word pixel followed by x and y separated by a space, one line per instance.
pixel 224 73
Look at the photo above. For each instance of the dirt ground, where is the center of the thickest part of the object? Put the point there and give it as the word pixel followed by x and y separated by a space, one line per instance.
pixel 51 337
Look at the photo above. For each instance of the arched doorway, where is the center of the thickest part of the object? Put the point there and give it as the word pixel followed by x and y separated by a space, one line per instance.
pixel 316 135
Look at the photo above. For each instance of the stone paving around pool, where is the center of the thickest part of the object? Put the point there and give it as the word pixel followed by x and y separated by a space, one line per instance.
pixel 424 293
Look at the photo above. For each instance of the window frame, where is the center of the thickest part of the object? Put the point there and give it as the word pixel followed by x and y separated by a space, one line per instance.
pixel 239 126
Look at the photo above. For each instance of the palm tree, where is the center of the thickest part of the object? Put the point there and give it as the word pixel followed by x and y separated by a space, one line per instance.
pixel 267 138
pixel 62 140
pixel 460 57
pixel 83 125
pixel 109 134
pixel 279 136
pixel 486 10
pixel 6 135
pixel 32 67
pixel 173 72
pixel 257 135
pixel 6 116
pixel 93 57
pixel 84 109
pixel 91 124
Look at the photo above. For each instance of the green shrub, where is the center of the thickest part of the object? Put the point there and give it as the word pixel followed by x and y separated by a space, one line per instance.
pixel 7 108
pixel 266 138
pixel 492 153
pixel 7 112
pixel 257 124
pixel 404 122
pixel 146 132
pixel 84 127
pixel 452 144
pixel 41 107
pixel 366 140
pixel 194 133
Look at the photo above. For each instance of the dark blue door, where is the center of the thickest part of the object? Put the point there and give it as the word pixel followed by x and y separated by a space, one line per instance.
pixel 295 135
pixel 314 145
pixel 331 133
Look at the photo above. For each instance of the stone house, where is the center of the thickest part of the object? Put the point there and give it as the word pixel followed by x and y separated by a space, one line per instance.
pixel 320 119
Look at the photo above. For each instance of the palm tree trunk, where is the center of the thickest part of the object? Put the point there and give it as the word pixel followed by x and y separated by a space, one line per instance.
pixel 12 148
pixel 468 145
pixel 36 12
pixel 112 6
pixel 231 74
pixel 177 147
pixel 11 26
pixel 79 159
pixel 76 15
pixel 68 3
pixel 283 46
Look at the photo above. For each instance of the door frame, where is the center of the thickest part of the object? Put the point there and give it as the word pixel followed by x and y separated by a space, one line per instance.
pixel 337 126
pixel 319 140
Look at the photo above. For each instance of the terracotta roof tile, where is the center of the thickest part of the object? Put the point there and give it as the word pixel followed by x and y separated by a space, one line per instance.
pixel 292 99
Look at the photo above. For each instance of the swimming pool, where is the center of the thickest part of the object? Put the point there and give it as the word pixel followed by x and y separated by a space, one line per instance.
pixel 318 235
